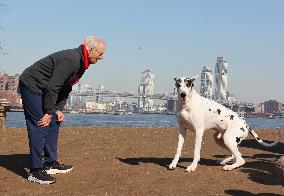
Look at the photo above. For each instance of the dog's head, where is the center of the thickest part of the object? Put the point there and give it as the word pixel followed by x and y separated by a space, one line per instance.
pixel 184 87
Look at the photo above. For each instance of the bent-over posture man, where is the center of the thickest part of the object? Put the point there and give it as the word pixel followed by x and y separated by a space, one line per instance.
pixel 44 88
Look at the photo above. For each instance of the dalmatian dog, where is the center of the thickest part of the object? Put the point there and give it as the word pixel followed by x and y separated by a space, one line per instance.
pixel 197 114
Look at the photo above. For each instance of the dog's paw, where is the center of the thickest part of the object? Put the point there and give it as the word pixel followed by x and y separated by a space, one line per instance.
pixel 191 168
pixel 233 166
pixel 172 166
pixel 228 167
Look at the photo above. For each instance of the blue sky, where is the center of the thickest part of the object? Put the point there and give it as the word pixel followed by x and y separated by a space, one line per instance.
pixel 173 38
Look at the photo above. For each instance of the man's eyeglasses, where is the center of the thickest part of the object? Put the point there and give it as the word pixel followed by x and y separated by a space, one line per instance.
pixel 99 54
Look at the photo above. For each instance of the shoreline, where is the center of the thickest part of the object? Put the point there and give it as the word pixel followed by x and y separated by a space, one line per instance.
pixel 113 113
pixel 17 120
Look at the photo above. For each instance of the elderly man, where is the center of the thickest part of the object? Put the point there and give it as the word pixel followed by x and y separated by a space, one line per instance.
pixel 44 88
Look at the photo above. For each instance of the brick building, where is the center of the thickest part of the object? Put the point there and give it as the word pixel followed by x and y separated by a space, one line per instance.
pixel 8 89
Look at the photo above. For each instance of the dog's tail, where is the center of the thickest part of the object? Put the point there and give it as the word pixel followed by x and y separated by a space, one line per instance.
pixel 261 141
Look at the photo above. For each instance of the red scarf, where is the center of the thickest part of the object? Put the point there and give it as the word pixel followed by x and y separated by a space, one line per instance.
pixel 86 64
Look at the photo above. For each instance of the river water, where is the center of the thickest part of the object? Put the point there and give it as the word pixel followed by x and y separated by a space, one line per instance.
pixel 17 120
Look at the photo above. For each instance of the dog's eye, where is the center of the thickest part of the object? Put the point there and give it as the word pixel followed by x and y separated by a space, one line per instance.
pixel 177 85
pixel 188 83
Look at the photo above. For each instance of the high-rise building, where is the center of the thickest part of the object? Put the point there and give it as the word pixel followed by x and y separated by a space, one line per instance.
pixel 206 87
pixel 272 106
pixel 99 98
pixel 259 108
pixel 76 100
pixel 77 86
pixel 221 75
pixel 172 105
pixel 146 87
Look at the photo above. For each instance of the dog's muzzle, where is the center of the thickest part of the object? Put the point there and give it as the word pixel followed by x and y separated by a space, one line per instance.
pixel 183 96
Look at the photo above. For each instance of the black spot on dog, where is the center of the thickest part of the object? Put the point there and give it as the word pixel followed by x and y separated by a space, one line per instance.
pixel 238 139
pixel 178 83
pixel 219 111
pixel 189 82
pixel 209 109
pixel 222 120
pixel 242 129
pixel 231 117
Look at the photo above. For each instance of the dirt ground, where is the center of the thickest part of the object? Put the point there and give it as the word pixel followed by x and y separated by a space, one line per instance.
pixel 133 161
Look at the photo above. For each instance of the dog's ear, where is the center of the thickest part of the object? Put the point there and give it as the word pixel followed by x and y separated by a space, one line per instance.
pixel 190 81
pixel 193 78
pixel 175 79
pixel 177 84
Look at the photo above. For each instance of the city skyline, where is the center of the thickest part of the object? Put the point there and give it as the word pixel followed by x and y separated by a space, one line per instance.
pixel 171 38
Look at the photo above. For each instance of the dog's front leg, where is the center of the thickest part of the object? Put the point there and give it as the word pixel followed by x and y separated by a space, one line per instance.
pixel 197 147
pixel 181 137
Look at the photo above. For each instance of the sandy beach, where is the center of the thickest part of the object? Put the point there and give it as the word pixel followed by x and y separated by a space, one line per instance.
pixel 133 161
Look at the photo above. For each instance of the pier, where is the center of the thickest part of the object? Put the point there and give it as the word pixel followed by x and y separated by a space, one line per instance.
pixel 4 107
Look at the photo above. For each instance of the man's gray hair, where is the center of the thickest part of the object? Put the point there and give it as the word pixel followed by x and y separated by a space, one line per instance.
pixel 92 42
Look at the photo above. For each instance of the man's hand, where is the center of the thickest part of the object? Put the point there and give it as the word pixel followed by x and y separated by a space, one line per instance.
pixel 45 120
pixel 60 116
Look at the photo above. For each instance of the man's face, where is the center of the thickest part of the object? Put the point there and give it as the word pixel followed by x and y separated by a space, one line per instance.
pixel 96 54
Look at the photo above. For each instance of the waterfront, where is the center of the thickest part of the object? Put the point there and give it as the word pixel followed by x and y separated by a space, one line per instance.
pixel 17 120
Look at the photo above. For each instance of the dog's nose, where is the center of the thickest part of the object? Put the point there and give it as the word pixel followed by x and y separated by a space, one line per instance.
pixel 182 94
